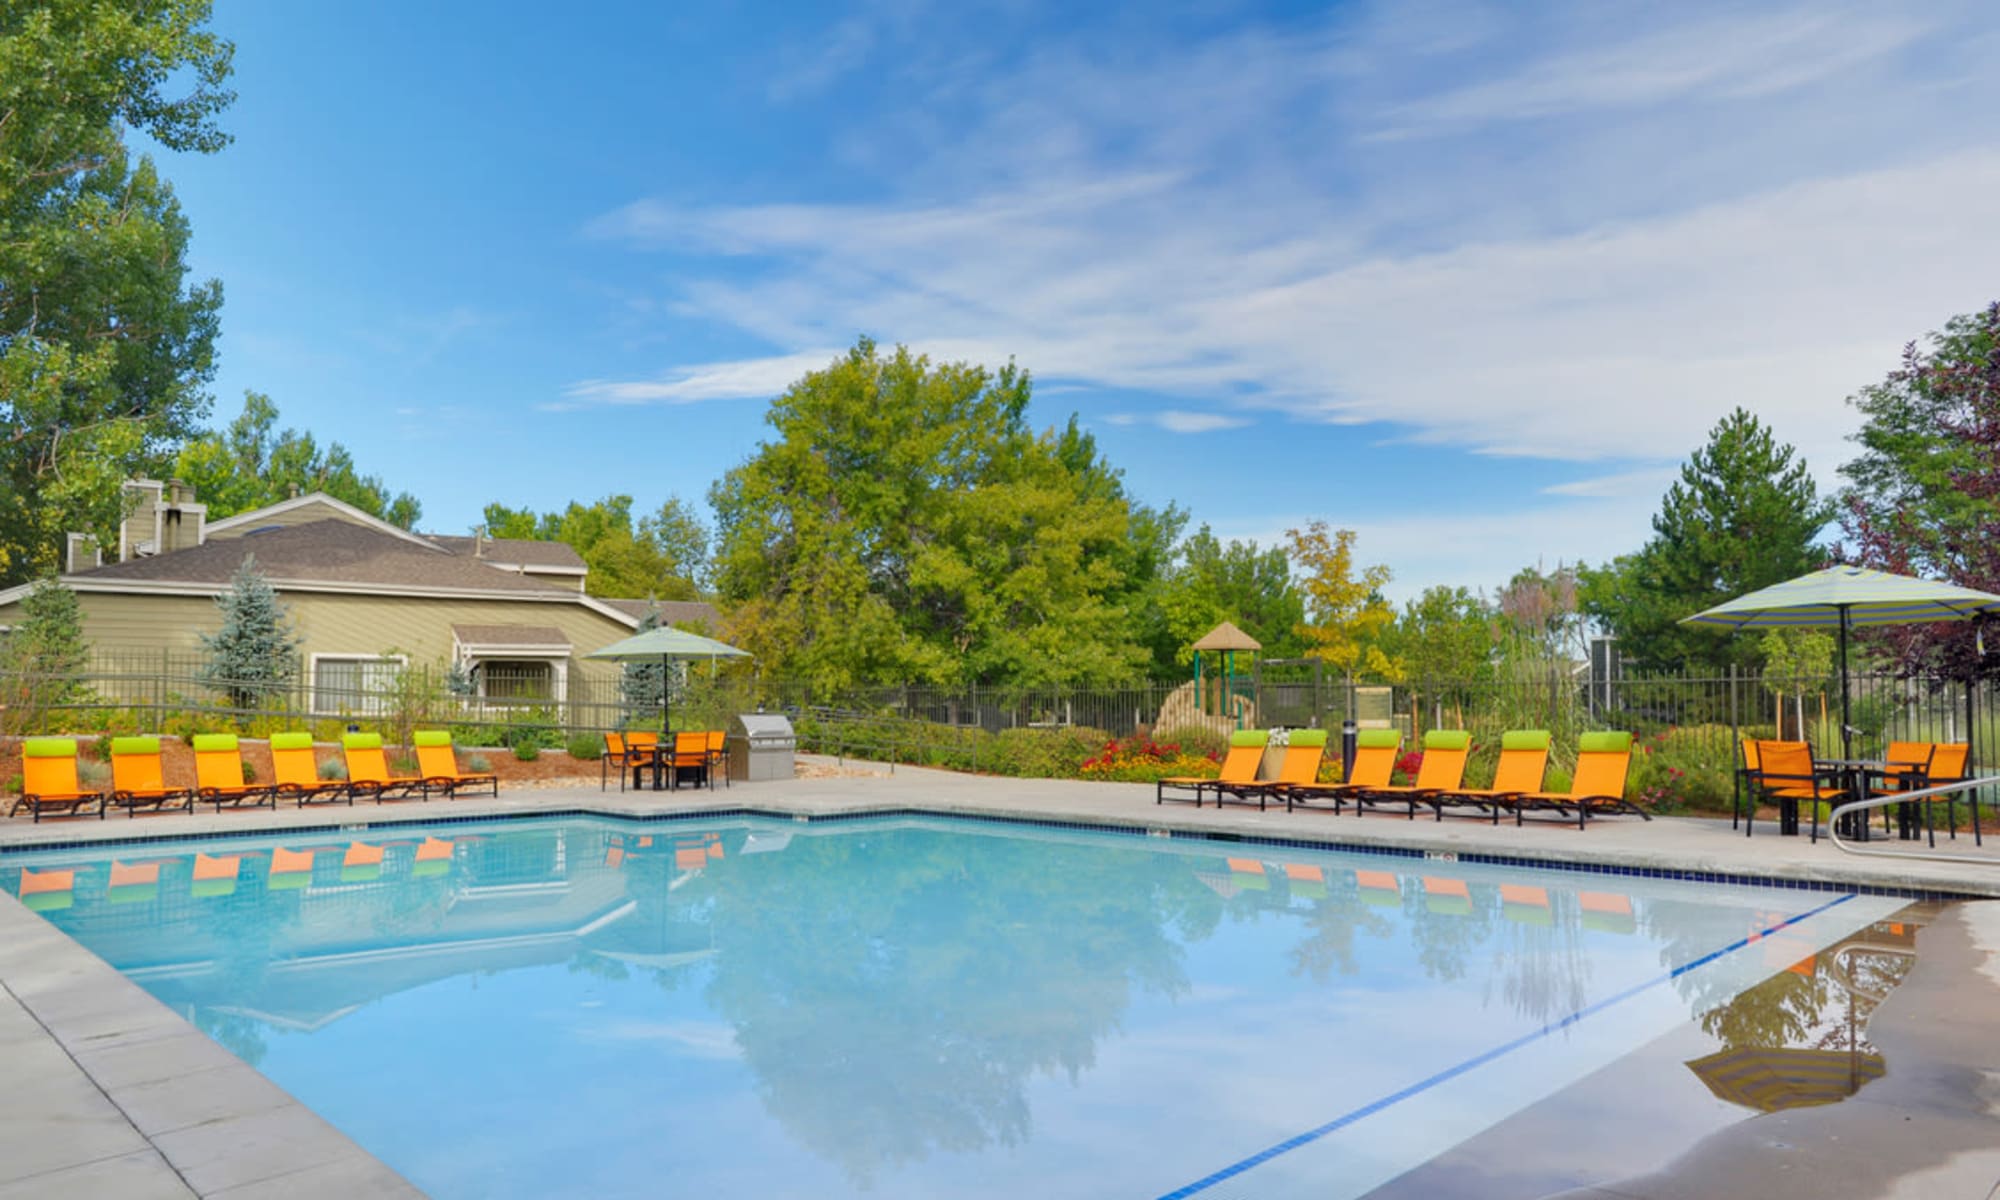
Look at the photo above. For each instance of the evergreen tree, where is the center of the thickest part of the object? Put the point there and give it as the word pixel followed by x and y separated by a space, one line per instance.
pixel 255 655
pixel 640 683
pixel 1745 514
pixel 43 657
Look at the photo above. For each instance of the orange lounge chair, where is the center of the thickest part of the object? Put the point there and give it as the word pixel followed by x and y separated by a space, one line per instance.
pixel 439 765
pixel 1374 765
pixel 48 780
pixel 137 778
pixel 1304 748
pixel 1602 761
pixel 1524 758
pixel 1239 766
pixel 295 771
pixel 1441 769
pixel 368 771
pixel 218 774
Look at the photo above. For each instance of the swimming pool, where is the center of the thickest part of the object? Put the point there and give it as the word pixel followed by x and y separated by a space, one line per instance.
pixel 908 1006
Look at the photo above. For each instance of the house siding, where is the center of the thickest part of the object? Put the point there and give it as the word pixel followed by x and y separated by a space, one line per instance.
pixel 419 628
pixel 303 514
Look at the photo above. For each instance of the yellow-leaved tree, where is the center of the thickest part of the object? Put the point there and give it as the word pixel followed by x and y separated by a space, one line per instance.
pixel 1345 611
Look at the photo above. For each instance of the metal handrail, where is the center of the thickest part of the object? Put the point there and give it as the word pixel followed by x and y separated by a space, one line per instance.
pixel 1883 801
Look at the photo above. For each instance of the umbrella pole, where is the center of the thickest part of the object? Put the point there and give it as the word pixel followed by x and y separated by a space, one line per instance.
pixel 666 703
pixel 1846 745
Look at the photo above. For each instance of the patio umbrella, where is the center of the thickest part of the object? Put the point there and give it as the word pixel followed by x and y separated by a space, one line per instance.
pixel 1846 598
pixel 667 645
pixel 1774 1078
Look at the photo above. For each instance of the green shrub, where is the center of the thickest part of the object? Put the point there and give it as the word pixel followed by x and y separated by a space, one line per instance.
pixel 527 751
pixel 100 749
pixel 14 785
pixel 477 764
pixel 332 770
pixel 404 764
pixel 586 746
pixel 249 771
pixel 91 773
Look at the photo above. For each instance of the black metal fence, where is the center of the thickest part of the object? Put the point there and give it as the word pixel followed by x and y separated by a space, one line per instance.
pixel 1685 721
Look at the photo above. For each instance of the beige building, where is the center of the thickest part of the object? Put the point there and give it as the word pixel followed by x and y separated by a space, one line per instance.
pixel 365 597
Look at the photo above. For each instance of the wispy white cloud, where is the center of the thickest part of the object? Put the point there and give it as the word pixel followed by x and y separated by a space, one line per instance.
pixel 1724 57
pixel 1175 420
pixel 749 379
pixel 1625 483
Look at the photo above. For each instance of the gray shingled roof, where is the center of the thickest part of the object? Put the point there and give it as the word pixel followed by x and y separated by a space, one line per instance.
pixel 672 612
pixel 324 552
pixel 509 635
pixel 521 551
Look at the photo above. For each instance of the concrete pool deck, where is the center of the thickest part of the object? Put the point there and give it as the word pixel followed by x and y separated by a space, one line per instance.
pixel 112 1094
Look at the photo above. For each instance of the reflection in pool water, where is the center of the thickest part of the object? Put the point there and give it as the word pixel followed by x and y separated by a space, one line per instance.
pixel 916 1007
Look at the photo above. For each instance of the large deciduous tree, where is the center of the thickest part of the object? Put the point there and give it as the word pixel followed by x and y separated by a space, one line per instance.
pixel 1213 581
pixel 1445 636
pixel 906 524
pixel 663 555
pixel 104 347
pixel 251 464
pixel 1345 613
pixel 1924 494
pixel 1743 515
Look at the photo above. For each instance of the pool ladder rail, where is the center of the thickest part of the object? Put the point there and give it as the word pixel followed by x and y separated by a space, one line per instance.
pixel 1871 803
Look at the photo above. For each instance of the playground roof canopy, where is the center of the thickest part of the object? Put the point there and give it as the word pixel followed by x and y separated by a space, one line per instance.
pixel 1227 637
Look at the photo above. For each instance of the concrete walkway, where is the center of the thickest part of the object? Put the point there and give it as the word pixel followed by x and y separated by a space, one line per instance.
pixel 111 1094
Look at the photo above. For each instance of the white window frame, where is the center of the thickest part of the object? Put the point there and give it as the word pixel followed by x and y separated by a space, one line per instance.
pixel 320 706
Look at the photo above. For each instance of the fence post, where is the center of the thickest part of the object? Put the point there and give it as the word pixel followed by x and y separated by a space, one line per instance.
pixel 1735 749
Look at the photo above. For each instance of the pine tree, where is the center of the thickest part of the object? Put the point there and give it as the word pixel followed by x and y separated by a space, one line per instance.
pixel 255 653
pixel 1743 515
pixel 43 658
pixel 640 683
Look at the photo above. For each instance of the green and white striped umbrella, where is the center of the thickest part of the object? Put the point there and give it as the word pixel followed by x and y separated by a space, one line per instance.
pixel 1842 598
pixel 1850 596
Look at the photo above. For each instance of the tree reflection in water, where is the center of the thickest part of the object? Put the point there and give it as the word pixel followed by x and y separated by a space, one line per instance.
pixel 886 1021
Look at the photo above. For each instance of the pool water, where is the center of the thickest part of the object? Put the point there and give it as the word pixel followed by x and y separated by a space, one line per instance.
pixel 909 1007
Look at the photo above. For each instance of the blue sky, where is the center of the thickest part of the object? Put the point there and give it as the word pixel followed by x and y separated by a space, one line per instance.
pixel 1469 279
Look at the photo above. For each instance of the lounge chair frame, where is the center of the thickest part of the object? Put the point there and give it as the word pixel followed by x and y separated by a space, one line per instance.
pixel 50 782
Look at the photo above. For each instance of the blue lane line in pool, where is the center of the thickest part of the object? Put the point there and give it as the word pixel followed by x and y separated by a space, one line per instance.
pixel 1341 1122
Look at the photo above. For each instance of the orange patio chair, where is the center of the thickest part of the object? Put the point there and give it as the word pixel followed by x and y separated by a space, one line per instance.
pixel 1602 761
pixel 218 774
pixel 642 751
pixel 368 771
pixel 1374 765
pixel 138 779
pixel 718 754
pixel 1239 766
pixel 438 764
pixel 690 757
pixel 1524 759
pixel 1441 769
pixel 1300 765
pixel 295 771
pixel 1787 774
pixel 48 780
pixel 1948 764
pixel 620 754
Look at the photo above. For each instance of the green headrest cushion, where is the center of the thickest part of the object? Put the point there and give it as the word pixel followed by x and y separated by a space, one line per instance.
pixel 135 745
pixel 1250 737
pixel 361 741
pixel 1605 741
pixel 1447 739
pixel 1307 737
pixel 296 740
pixel 48 747
pixel 1525 739
pixel 215 741
pixel 1378 739
pixel 430 737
